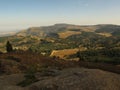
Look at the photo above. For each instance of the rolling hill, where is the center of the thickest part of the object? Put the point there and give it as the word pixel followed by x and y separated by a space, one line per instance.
pixel 57 28
pixel 45 39
pixel 63 28
pixel 94 46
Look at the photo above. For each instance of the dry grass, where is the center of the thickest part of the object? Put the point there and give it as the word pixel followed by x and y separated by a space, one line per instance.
pixel 69 78
pixel 84 28
pixel 63 53
pixel 67 34
pixel 105 34
pixel 21 61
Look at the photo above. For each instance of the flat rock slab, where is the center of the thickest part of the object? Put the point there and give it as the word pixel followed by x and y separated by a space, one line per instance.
pixel 67 79
pixel 8 82
pixel 79 79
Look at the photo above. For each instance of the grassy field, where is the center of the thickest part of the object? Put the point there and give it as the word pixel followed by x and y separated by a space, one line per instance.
pixel 63 53
pixel 67 34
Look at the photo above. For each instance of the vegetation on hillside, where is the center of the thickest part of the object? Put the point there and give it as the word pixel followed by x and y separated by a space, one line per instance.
pixel 98 48
pixel 111 56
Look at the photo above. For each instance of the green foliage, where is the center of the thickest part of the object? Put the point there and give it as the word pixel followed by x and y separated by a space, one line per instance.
pixel 53 35
pixel 9 47
pixel 90 40
pixel 76 30
pixel 108 28
pixel 3 39
pixel 116 33
pixel 111 56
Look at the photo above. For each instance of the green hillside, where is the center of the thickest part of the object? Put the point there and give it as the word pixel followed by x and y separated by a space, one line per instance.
pixel 46 39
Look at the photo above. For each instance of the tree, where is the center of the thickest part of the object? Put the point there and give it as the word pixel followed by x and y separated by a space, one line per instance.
pixel 80 56
pixel 9 47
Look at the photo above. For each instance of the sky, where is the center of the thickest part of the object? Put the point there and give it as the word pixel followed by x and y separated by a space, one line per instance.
pixel 21 14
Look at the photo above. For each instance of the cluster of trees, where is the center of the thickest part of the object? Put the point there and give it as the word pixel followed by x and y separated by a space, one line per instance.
pixel 104 55
pixel 90 40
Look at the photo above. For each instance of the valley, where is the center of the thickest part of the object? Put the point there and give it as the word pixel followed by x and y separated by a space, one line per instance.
pixel 61 57
pixel 60 37
pixel 59 45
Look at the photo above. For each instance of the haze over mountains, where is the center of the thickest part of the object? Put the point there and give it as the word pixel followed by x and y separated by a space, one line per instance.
pixel 9 33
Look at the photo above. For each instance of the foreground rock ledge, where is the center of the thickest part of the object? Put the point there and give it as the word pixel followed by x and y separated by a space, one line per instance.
pixel 67 79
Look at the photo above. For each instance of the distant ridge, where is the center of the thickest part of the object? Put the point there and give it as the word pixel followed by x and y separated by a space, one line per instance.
pixel 62 27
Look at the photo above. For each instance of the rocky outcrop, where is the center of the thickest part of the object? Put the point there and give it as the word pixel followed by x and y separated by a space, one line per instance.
pixel 79 79
pixel 67 79
pixel 8 82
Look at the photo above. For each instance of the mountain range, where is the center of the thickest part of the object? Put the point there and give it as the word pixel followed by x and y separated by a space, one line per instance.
pixel 49 39
pixel 61 57
pixel 44 31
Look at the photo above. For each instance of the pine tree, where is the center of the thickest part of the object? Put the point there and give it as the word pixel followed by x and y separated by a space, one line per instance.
pixel 9 47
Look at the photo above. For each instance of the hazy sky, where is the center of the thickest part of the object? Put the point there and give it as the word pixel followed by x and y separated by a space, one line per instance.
pixel 19 14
